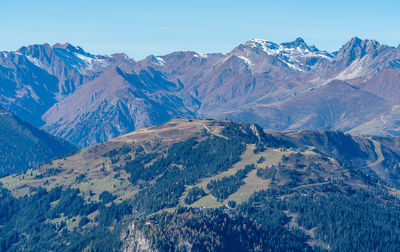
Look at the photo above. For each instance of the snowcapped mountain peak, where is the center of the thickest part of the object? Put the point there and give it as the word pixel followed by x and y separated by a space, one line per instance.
pixel 299 40
pixel 78 58
pixel 266 46
pixel 70 48
pixel 298 43
pixel 297 55
pixel 73 56
pixel 294 47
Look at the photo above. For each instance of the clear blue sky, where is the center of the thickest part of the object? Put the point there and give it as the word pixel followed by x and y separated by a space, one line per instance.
pixel 140 28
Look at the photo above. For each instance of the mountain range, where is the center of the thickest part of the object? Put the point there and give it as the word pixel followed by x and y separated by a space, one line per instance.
pixel 157 172
pixel 87 99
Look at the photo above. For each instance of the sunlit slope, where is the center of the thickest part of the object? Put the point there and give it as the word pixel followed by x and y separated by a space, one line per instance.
pixel 105 167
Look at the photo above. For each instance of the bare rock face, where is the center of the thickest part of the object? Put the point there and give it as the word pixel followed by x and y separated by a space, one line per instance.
pixel 87 98
pixel 25 89
pixel 135 241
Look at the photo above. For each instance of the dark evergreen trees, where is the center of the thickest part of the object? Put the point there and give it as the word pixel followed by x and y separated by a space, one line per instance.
pixel 194 194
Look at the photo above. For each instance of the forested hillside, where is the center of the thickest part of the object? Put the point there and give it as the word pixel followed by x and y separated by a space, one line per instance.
pixel 22 146
pixel 204 185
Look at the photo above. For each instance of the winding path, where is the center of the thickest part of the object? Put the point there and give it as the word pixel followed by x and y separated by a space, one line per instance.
pixel 375 165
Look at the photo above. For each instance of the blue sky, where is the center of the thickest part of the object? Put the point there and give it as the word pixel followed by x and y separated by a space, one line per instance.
pixel 140 28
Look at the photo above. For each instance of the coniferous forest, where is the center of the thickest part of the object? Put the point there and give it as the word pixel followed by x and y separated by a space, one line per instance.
pixel 317 200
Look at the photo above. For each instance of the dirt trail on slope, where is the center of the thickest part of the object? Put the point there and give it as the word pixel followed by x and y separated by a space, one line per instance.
pixel 375 166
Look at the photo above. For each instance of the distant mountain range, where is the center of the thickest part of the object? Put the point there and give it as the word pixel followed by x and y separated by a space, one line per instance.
pixel 86 98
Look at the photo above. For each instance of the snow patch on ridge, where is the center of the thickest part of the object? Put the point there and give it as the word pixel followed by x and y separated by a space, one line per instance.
pixel 35 61
pixel 158 61
pixel 92 62
pixel 4 54
pixel 200 55
pixel 247 62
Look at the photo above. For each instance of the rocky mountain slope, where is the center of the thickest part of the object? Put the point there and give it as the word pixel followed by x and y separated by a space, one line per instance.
pixel 280 86
pixel 119 102
pixel 210 185
pixel 22 146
